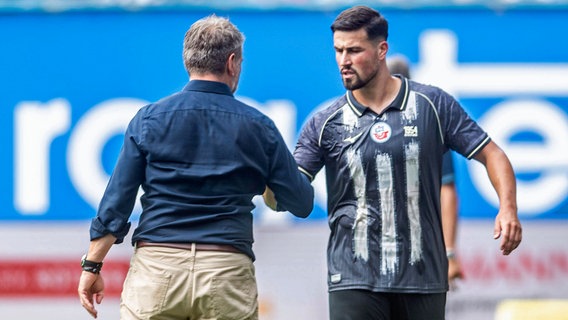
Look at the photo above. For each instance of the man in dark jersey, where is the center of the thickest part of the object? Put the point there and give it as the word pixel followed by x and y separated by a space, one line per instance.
pixel 399 64
pixel 382 145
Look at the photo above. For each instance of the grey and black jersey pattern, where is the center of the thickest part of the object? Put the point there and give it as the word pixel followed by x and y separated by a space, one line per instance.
pixel 383 176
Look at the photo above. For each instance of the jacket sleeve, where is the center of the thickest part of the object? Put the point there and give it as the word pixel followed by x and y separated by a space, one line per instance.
pixel 292 189
pixel 119 197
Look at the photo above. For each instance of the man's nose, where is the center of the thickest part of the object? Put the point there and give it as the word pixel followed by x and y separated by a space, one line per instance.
pixel 344 59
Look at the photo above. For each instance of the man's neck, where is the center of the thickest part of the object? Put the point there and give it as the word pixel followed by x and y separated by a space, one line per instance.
pixel 207 77
pixel 379 95
pixel 213 77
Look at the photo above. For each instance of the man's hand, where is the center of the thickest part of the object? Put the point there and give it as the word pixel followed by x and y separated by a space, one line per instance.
pixel 508 228
pixel 91 289
pixel 454 271
pixel 269 198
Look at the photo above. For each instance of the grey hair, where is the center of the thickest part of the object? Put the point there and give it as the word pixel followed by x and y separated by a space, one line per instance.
pixel 208 44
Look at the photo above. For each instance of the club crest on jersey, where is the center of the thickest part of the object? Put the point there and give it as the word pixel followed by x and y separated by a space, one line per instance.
pixel 381 132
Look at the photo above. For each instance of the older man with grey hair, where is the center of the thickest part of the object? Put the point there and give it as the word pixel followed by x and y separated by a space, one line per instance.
pixel 200 156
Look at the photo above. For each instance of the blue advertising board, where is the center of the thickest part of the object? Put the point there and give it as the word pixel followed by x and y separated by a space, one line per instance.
pixel 71 82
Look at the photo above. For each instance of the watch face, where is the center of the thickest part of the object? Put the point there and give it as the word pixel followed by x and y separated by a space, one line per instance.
pixel 90 266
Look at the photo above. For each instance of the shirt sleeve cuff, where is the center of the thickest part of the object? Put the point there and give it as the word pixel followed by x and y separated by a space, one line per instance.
pixel 99 230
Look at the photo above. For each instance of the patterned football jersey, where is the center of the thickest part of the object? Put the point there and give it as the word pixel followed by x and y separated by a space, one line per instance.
pixel 383 176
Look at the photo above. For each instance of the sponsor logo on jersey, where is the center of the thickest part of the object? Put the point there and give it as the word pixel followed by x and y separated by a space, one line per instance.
pixel 353 138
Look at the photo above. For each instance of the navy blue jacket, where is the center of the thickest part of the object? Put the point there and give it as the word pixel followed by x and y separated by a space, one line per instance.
pixel 200 156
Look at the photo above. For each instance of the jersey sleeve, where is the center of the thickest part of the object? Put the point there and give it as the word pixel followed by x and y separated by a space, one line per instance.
pixel 448 175
pixel 462 133
pixel 308 152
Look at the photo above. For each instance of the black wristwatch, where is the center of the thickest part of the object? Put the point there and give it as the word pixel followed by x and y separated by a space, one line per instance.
pixel 91 266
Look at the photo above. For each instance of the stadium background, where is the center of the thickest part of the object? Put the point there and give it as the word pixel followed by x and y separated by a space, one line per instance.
pixel 74 72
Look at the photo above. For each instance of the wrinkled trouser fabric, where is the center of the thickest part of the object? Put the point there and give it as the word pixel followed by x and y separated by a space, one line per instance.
pixel 167 283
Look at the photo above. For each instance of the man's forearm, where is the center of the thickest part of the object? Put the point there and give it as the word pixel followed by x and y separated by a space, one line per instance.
pixel 449 208
pixel 501 175
pixel 99 248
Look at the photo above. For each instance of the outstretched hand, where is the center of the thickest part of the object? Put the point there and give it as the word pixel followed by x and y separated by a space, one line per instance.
pixel 269 198
pixel 91 289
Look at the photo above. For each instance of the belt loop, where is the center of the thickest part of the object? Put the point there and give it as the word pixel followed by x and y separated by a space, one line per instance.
pixel 193 253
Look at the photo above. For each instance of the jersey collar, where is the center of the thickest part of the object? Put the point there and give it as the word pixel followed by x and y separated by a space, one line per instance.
pixel 398 103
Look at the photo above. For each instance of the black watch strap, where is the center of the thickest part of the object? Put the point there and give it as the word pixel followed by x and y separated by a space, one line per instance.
pixel 91 266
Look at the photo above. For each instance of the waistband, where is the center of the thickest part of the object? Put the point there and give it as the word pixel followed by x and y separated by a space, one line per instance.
pixel 190 246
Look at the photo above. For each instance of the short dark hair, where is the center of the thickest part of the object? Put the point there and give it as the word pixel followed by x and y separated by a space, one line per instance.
pixel 358 17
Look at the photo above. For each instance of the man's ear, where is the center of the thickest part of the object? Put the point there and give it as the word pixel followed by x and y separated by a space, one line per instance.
pixel 383 49
pixel 231 65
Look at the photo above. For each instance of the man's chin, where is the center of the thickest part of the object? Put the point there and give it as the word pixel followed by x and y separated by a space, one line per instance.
pixel 351 85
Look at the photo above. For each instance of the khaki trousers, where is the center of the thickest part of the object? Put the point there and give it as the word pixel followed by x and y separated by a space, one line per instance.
pixel 167 283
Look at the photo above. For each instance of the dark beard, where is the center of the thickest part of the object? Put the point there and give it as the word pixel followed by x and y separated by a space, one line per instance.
pixel 357 83
pixel 353 84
